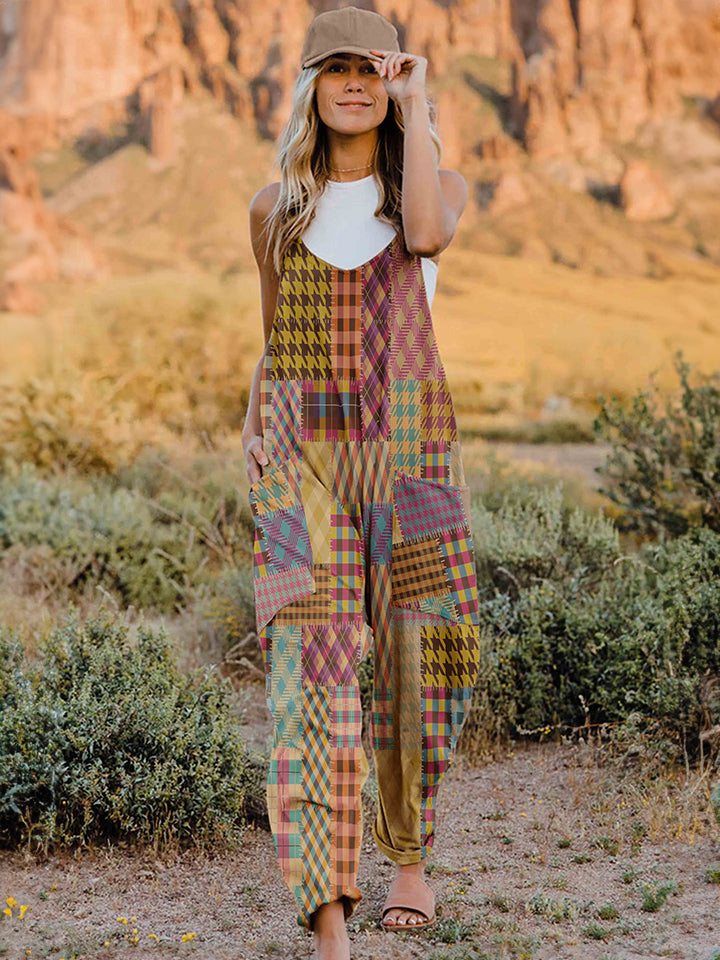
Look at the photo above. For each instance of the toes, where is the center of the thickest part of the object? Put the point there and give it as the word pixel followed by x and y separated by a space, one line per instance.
pixel 403 918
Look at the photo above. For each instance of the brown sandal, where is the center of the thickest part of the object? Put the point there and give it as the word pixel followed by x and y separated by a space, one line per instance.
pixel 409 892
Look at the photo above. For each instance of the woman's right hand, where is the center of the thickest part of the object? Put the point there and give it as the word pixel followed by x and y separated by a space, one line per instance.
pixel 255 457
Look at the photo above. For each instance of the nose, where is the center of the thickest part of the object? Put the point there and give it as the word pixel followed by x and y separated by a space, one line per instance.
pixel 355 80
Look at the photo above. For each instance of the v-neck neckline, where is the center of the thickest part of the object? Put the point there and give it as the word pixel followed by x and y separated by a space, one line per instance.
pixel 372 259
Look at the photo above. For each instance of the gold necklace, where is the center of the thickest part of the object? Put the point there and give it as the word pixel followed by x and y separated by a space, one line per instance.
pixel 349 169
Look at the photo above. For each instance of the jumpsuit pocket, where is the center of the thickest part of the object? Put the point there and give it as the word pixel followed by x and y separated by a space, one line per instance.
pixel 282 554
pixel 433 556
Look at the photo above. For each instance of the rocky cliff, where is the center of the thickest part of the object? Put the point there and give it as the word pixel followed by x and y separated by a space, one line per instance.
pixel 584 75
pixel 597 70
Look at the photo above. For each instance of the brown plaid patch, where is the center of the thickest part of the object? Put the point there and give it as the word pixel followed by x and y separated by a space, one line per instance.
pixel 347 773
pixel 331 410
pixel 314 608
pixel 417 571
pixel 346 323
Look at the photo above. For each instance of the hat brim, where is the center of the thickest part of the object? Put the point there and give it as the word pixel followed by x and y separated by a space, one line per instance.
pixel 362 51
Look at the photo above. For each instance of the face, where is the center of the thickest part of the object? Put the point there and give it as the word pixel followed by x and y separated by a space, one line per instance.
pixel 351 95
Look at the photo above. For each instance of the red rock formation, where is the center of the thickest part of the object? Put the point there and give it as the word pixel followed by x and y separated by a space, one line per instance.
pixel 645 194
pixel 585 73
pixel 594 70
pixel 508 192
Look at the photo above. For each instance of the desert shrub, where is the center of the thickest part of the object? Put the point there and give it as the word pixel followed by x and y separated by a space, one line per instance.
pixel 147 361
pixel 76 533
pixel 231 605
pixel 533 536
pixel 105 739
pixel 664 467
pixel 173 352
pixel 203 494
pixel 56 423
pixel 571 644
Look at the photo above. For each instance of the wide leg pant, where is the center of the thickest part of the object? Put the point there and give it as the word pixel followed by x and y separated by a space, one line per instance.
pixel 383 561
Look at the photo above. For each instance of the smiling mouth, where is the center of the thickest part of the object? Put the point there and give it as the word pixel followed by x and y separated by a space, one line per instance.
pixel 357 106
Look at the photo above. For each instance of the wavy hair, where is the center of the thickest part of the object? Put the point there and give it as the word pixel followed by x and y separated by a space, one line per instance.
pixel 303 159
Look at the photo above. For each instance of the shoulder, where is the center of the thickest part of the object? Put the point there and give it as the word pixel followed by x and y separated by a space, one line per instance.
pixel 260 207
pixel 263 201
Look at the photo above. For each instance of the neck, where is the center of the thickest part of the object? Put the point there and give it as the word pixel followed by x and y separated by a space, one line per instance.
pixel 350 152
pixel 336 177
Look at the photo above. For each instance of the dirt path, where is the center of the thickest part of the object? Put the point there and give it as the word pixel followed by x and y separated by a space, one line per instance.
pixel 579 459
pixel 528 849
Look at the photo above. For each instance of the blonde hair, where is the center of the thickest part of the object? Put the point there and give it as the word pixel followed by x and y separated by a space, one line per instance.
pixel 304 164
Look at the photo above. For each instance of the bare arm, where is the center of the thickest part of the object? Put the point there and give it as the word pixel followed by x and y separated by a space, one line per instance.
pixel 252 439
pixel 432 199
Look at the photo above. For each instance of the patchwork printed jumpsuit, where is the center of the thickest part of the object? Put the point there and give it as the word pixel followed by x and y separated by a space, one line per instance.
pixel 362 542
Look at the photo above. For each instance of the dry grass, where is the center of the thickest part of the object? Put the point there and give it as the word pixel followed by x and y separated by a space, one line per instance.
pixel 172 351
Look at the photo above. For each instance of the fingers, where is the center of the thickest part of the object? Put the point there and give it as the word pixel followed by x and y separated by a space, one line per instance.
pixel 256 458
pixel 392 63
pixel 260 456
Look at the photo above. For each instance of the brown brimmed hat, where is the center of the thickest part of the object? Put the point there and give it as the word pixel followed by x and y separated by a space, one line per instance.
pixel 348 30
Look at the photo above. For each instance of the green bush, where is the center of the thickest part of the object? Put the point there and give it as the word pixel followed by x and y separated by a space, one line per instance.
pixel 106 739
pixel 75 532
pixel 664 468
pixel 231 605
pixel 575 633
pixel 534 537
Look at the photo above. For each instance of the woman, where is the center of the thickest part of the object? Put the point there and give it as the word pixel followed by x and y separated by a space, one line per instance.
pixel 362 521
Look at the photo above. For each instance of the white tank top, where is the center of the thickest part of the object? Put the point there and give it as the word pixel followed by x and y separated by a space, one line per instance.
pixel 345 232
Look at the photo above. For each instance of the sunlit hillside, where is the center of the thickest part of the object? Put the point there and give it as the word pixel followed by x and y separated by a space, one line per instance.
pixel 177 320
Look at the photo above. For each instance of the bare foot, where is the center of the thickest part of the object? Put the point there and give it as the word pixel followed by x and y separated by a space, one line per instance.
pixel 329 932
pixel 397 917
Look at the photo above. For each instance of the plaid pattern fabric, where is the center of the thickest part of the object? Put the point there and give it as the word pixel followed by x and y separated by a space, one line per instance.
pixel 417 571
pixel 362 544
pixel 316 743
pixel 349 768
pixel 435 460
pixel 458 553
pixel 331 654
pixel 284 801
pixel 331 410
pixel 346 716
pixel 444 712
pixel 346 325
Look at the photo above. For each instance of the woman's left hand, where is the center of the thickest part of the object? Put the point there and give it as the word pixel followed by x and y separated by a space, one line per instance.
pixel 403 73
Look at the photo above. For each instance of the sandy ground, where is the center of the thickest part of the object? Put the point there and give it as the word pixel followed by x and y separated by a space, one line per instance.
pixel 504 886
